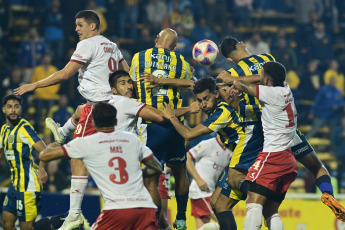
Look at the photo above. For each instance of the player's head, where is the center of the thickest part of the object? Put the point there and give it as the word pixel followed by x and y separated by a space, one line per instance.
pixel 232 49
pixel 167 39
pixel 121 83
pixel 273 72
pixel 206 93
pixel 12 108
pixel 87 24
pixel 104 115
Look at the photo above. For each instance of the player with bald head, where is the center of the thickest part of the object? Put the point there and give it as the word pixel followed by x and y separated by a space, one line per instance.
pixel 159 74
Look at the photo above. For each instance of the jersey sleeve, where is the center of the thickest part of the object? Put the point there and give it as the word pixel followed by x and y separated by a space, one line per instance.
pixel 233 72
pixel 217 120
pixel 82 54
pixel 132 107
pixel 28 135
pixel 118 53
pixel 197 152
pixel 132 71
pixel 77 148
pixel 187 71
pixel 266 94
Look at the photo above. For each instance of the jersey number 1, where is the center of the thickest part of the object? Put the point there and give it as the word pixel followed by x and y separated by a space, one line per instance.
pixel 290 114
pixel 120 176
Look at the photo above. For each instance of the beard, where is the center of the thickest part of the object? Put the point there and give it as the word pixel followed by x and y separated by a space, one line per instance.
pixel 13 121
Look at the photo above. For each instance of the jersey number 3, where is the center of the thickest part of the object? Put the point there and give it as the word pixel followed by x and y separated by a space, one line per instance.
pixel 120 176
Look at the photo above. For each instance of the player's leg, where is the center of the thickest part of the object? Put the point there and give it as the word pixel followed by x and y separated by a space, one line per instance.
pixel 236 180
pixel 151 184
pixel 8 220
pixel 254 207
pixel 163 186
pixel 26 225
pixel 271 215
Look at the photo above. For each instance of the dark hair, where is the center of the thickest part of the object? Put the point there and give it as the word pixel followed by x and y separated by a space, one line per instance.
pixel 116 75
pixel 11 97
pixel 89 16
pixel 204 84
pixel 228 45
pixel 104 115
pixel 276 72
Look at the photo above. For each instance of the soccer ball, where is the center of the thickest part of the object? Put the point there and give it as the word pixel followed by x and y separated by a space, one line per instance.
pixel 205 52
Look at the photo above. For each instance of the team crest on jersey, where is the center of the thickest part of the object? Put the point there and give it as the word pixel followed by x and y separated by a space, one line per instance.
pixel 11 139
pixel 5 201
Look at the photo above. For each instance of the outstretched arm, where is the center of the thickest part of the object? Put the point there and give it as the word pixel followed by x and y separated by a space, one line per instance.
pixel 56 78
pixel 228 79
pixel 52 152
pixel 245 87
pixel 174 82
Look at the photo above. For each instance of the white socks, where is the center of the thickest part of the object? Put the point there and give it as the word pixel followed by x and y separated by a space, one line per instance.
pixel 78 186
pixel 275 222
pixel 253 220
pixel 68 127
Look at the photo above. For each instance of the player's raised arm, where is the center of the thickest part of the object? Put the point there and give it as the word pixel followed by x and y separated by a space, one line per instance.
pixel 52 152
pixel 56 78
pixel 173 82
pixel 42 174
pixel 228 79
pixel 245 87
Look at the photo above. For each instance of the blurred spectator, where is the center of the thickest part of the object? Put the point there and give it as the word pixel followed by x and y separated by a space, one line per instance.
pixel 44 97
pixel 53 21
pixel 174 17
pixel 212 10
pixel 333 72
pixel 230 30
pixel 339 153
pixel 112 17
pixel 92 5
pixel 256 45
pixel 311 80
pixel 326 110
pixel 156 10
pixel 146 41
pixel 56 180
pixel 203 31
pixel 31 53
pixel 4 22
pixel 284 54
pixel 319 44
pixel 184 44
pixel 187 20
pixel 14 80
pixel 242 10
pixel 129 13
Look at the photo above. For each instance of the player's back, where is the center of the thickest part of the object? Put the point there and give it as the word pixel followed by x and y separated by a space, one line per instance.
pixel 162 63
pixel 113 160
pixel 100 57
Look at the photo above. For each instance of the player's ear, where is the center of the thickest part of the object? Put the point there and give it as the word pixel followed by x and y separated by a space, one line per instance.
pixel 93 26
pixel 113 90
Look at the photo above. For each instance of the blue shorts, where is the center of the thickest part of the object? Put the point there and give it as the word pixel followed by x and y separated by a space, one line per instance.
pixel 303 148
pixel 25 205
pixel 226 189
pixel 166 143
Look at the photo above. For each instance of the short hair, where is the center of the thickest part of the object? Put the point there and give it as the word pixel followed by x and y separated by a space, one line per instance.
pixel 11 97
pixel 89 16
pixel 115 76
pixel 104 115
pixel 276 72
pixel 228 45
pixel 204 84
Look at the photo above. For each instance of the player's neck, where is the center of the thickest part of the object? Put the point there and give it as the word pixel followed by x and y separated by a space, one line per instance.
pixel 106 129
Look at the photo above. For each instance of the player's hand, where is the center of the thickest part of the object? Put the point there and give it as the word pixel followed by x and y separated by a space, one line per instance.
pixel 225 93
pixel 203 185
pixel 24 89
pixel 42 176
pixel 151 79
pixel 194 107
pixel 167 111
pixel 226 78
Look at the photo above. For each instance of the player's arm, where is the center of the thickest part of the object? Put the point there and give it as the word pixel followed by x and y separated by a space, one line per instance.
pixel 42 174
pixel 153 167
pixel 228 79
pixel 52 152
pixel 124 66
pixel 192 108
pixel 245 87
pixel 192 171
pixel 151 114
pixel 187 133
pixel 173 82
pixel 56 78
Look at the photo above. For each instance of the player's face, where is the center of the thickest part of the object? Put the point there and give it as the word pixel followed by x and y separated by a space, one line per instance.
pixel 12 110
pixel 207 101
pixel 83 29
pixel 124 87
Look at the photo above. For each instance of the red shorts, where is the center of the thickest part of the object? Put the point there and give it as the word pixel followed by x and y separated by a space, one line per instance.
pixel 201 208
pixel 274 170
pixel 85 127
pixel 163 186
pixel 124 219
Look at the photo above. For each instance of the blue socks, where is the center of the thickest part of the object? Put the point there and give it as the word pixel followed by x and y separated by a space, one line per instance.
pixel 324 184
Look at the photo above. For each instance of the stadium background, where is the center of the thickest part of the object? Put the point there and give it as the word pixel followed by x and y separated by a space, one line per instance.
pixel 306 36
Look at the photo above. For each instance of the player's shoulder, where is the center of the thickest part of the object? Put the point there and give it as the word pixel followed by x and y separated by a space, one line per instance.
pixel 126 136
pixel 208 142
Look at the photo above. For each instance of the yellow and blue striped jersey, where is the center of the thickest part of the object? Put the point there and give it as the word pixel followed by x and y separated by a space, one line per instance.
pixel 226 122
pixel 162 63
pixel 17 142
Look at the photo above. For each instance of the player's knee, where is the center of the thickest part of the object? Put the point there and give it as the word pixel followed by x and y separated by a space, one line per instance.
pixel 7 225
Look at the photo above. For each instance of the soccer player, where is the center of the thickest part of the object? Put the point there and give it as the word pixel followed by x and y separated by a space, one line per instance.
pixel 248 67
pixel 95 58
pixel 275 168
pixel 17 140
pixel 167 145
pixel 210 158
pixel 112 158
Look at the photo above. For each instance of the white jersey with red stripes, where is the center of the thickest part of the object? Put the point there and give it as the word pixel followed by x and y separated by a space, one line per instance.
pixel 113 158
pixel 279 117
pixel 128 110
pixel 210 159
pixel 100 57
